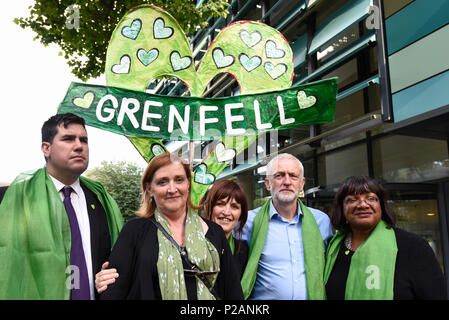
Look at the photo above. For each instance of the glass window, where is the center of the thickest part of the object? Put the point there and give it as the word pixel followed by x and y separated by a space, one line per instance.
pixel 393 6
pixel 346 110
pixel 373 59
pixel 374 97
pixel 417 212
pixel 294 30
pixel 410 159
pixel 282 11
pixel 347 74
pixel 331 7
pixel 337 44
pixel 309 170
pixel 334 167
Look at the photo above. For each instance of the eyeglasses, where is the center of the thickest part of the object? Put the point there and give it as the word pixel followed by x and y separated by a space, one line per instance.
pixel 368 200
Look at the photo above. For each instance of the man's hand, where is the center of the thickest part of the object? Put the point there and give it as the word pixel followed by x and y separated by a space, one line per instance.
pixel 105 277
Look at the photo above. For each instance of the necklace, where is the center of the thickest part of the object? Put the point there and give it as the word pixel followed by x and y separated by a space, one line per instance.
pixel 348 243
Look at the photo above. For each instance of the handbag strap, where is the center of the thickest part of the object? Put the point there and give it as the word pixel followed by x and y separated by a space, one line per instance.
pixel 183 253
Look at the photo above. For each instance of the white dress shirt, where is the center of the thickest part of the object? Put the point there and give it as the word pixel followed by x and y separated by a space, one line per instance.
pixel 78 200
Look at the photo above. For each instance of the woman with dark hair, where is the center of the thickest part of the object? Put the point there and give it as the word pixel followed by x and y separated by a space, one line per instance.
pixel 171 253
pixel 369 258
pixel 226 205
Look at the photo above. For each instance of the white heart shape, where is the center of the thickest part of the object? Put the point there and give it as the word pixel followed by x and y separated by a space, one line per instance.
pixel 222 154
pixel 123 66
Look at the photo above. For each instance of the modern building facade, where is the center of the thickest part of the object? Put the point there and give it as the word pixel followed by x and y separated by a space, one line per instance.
pixel 392 112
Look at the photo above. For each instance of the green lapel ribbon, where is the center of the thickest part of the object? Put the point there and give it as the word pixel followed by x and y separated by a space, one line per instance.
pixel 199 251
pixel 35 238
pixel 371 274
pixel 313 252
pixel 231 243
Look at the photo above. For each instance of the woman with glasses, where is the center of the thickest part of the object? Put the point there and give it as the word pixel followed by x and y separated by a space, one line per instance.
pixel 369 258
pixel 226 205
pixel 170 252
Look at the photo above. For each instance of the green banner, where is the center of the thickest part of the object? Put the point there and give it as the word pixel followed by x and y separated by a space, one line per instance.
pixel 139 114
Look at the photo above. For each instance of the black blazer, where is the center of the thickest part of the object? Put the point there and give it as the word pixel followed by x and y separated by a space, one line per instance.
pixel 100 239
pixel 2 192
pixel 417 275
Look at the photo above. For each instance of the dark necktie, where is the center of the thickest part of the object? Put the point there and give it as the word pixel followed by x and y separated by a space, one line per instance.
pixel 77 259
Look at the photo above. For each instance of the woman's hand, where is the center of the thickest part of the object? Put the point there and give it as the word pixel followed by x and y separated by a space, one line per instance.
pixel 105 277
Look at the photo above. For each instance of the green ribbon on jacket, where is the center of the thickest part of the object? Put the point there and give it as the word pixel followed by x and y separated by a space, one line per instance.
pixel 35 240
pixel 231 242
pixel 371 273
pixel 313 245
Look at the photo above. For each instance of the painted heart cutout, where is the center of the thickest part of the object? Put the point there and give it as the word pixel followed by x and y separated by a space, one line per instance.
pixel 222 154
pixel 179 63
pixel 249 63
pixel 250 39
pixel 86 101
pixel 123 66
pixel 221 60
pixel 305 101
pixel 157 149
pixel 132 31
pixel 201 175
pixel 275 71
pixel 245 41
pixel 160 31
pixel 147 57
pixel 272 51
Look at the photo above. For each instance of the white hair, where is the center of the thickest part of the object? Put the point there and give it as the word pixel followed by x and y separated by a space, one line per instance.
pixel 272 167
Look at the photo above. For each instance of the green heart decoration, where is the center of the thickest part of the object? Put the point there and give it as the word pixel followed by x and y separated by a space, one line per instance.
pixel 247 50
pixel 222 154
pixel 250 39
pixel 160 30
pixel 132 31
pixel 275 71
pixel 305 101
pixel 202 177
pixel 86 101
pixel 249 64
pixel 147 57
pixel 157 149
pixel 272 51
pixel 179 63
pixel 123 66
pixel 220 59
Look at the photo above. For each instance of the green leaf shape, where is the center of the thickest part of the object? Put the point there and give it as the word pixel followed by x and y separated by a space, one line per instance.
pixel 86 101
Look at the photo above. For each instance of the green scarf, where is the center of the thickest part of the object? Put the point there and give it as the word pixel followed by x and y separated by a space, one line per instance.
pixel 371 274
pixel 199 251
pixel 313 252
pixel 35 238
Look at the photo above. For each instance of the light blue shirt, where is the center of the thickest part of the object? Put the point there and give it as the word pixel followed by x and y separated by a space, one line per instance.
pixel 281 272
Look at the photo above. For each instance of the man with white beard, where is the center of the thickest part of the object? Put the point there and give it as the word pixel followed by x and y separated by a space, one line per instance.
pixel 287 240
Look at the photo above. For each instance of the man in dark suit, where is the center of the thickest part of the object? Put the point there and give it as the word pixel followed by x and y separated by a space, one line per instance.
pixel 2 192
pixel 60 227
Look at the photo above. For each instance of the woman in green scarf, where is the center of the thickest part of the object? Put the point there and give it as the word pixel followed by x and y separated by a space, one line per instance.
pixel 370 259
pixel 150 253
pixel 226 205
